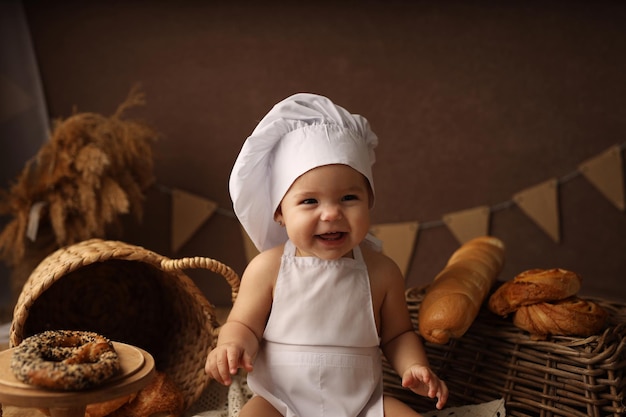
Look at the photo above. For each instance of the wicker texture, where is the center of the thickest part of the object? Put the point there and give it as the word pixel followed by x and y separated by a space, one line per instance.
pixel 128 294
pixel 563 376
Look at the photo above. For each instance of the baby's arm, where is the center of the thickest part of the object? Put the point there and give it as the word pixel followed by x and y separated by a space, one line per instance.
pixel 236 348
pixel 402 346
pixel 239 337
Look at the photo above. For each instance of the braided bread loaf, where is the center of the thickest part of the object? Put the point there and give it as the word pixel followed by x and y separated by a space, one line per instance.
pixel 534 286
pixel 544 303
pixel 570 317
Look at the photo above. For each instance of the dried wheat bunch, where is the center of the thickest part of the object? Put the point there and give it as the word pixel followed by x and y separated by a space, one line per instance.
pixel 92 170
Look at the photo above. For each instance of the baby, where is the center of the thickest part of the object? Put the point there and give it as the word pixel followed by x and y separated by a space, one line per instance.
pixel 320 302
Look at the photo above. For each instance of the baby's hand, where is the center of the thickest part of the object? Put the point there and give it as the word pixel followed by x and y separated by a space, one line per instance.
pixel 423 381
pixel 225 360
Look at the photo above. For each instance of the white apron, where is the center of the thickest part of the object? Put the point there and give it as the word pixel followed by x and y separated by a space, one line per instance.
pixel 320 355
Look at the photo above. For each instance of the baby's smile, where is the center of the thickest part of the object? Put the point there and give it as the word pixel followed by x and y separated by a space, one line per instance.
pixel 331 236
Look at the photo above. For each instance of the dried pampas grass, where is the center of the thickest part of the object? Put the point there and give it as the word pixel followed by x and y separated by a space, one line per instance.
pixel 92 170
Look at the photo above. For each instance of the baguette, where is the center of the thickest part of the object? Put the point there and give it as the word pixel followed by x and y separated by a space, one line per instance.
pixel 453 300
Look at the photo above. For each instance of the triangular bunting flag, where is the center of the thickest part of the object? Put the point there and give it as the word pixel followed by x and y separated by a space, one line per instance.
pixel 189 212
pixel 468 224
pixel 398 241
pixel 605 172
pixel 540 203
pixel 249 248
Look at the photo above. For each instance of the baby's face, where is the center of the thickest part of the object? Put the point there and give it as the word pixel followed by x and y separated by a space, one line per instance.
pixel 326 211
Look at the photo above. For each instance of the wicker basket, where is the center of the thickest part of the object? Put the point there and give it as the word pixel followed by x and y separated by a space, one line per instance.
pixel 564 376
pixel 130 295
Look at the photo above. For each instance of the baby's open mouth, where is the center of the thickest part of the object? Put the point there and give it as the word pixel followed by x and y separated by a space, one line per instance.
pixel 331 236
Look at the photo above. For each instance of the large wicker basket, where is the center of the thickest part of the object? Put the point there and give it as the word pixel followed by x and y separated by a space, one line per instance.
pixel 130 295
pixel 565 376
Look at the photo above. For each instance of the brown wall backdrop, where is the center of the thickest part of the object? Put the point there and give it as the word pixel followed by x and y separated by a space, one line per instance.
pixel 472 102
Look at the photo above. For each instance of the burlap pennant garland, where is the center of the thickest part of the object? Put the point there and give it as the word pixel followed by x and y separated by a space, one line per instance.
pixel 398 241
pixel 540 203
pixel 250 250
pixel 468 224
pixel 189 212
pixel 605 172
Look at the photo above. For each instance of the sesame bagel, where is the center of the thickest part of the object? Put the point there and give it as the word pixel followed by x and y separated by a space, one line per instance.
pixel 65 360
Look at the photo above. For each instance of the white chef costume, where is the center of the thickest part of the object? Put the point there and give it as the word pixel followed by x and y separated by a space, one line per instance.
pixel 320 353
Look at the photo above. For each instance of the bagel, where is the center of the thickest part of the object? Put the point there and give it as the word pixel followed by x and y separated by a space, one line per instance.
pixel 65 360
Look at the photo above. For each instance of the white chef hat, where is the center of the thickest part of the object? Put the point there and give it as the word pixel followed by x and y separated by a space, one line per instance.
pixel 302 132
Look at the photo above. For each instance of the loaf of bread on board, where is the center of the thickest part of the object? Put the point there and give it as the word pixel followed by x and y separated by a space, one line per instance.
pixel 453 300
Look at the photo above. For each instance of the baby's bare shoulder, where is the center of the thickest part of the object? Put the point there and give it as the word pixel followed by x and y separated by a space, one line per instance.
pixel 380 265
pixel 265 265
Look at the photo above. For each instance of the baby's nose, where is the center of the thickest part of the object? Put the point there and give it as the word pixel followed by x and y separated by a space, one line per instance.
pixel 331 212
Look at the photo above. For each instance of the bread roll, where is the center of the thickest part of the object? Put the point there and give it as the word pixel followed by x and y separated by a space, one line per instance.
pixel 534 286
pixel 161 397
pixel 105 408
pixel 570 317
pixel 453 300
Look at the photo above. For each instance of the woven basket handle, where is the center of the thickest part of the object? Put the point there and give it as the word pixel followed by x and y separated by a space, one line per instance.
pixel 205 263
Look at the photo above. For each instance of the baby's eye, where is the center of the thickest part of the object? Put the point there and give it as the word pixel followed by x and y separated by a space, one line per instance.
pixel 350 197
pixel 309 201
